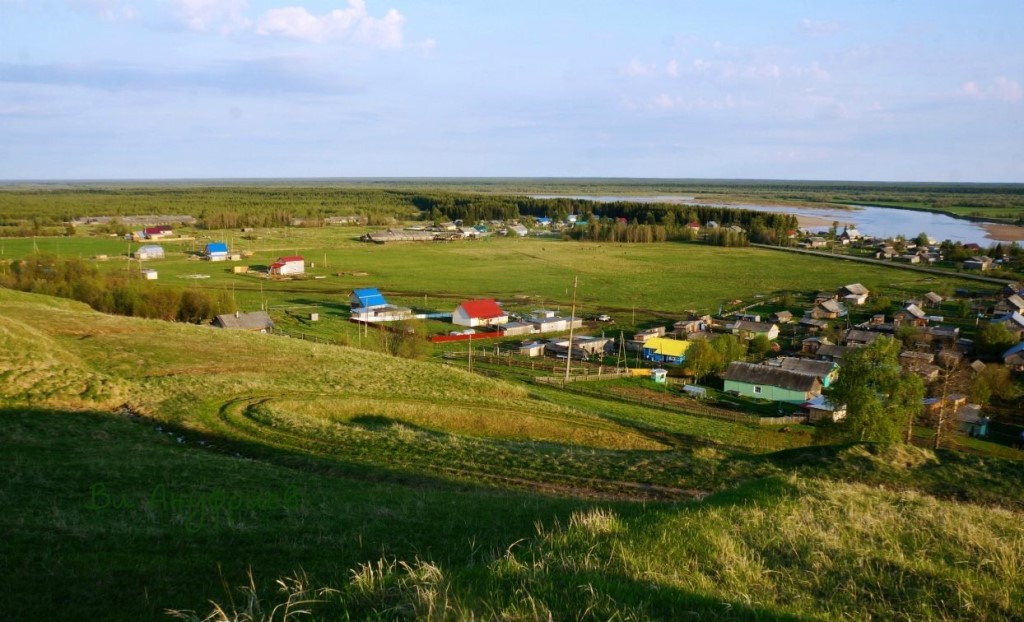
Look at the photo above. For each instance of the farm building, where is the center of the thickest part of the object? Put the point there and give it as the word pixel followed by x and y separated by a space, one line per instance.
pixel 514 329
pixel 255 321
pixel 292 264
pixel 770 383
pixel 149 274
pixel 482 312
pixel 519 230
pixel 665 350
pixel 931 298
pixel 216 251
pixel 160 231
pixel 978 262
pixel 548 322
pixel 820 409
pixel 368 305
pixel 150 251
pixel 781 317
pixel 531 349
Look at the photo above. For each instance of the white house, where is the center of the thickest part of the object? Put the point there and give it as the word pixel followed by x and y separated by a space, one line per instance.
pixel 483 312
pixel 292 264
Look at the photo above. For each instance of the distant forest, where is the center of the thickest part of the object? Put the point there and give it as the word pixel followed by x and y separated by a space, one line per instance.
pixel 48 209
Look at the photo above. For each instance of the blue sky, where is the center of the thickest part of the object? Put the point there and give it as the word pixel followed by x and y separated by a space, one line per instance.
pixel 886 90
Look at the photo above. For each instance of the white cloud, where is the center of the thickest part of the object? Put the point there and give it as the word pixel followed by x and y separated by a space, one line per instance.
pixel 999 88
pixel 352 22
pixel 672 68
pixel 109 10
pixel 815 28
pixel 204 15
pixel 637 69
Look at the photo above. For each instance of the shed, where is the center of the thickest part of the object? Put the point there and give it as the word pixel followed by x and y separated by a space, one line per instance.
pixel 255 321
pixel 694 391
pixel 149 274
pixel 366 298
pixel 658 375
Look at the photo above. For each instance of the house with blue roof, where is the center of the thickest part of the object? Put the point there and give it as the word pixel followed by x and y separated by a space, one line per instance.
pixel 368 305
pixel 216 251
pixel 1014 357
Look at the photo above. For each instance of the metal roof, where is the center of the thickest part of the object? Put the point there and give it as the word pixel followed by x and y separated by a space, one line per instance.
pixel 751 373
pixel 369 297
pixel 254 320
pixel 483 309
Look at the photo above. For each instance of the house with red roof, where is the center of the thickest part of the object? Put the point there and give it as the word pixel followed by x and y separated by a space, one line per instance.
pixel 293 264
pixel 155 233
pixel 482 312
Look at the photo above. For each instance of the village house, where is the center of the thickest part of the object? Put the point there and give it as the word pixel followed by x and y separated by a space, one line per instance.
pixel 932 299
pixel 368 305
pixel 826 371
pixel 292 264
pixel 910 314
pixel 685 328
pixel 770 383
pixel 253 321
pixel 532 349
pixel 781 317
pixel 831 352
pixel 849 234
pixel 1014 322
pixel 515 329
pixel 982 263
pixel 815 242
pixel 1010 304
pixel 482 312
pixel 811 345
pixel 666 350
pixel 855 294
pixel 1013 358
pixel 216 251
pixel 860 337
pixel 748 330
pixel 827 310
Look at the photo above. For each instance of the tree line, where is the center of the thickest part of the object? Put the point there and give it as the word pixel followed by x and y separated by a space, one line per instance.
pixel 115 293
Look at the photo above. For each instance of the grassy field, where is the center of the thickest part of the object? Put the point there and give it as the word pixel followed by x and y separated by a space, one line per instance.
pixel 650 281
pixel 389 489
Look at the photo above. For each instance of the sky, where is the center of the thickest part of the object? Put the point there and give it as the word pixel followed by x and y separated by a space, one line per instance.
pixel 846 90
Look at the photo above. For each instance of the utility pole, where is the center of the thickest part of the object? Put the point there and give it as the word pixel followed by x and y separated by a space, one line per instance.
pixel 572 313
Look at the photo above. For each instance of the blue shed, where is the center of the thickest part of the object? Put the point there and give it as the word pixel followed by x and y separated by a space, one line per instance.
pixel 367 298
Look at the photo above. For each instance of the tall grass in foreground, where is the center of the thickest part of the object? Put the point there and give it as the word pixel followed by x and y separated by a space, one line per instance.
pixel 779 549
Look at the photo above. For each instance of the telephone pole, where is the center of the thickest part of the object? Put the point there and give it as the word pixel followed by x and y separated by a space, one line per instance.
pixel 572 314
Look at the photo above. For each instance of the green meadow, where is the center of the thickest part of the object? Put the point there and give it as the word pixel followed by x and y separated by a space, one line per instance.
pixel 654 281
pixel 253 477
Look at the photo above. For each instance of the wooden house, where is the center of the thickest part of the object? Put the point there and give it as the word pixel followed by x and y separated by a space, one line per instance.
pixel 481 312
pixel 770 383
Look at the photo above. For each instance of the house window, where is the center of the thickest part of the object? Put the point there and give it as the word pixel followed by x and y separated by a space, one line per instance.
pixel 757 389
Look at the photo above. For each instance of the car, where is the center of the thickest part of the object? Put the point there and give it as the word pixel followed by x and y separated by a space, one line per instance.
pixel 604 318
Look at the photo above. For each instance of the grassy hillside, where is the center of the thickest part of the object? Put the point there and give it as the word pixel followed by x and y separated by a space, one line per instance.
pixel 389 489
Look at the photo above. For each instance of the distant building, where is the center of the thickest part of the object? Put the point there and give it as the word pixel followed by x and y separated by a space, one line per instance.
pixel 665 350
pixel 855 294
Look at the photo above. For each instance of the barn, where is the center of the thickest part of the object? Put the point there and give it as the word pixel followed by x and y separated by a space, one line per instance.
pixel 482 312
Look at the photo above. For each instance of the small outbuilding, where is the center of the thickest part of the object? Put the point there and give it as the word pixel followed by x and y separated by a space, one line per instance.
pixel 254 321
pixel 149 251
pixel 292 264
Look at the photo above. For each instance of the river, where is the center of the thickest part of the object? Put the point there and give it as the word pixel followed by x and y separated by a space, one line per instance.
pixel 883 222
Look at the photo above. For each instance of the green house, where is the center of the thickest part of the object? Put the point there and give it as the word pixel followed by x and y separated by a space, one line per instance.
pixel 770 383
